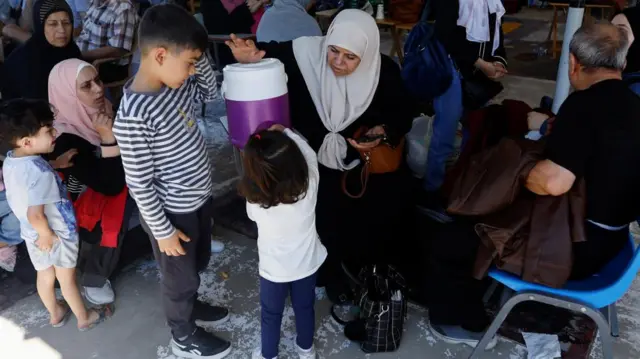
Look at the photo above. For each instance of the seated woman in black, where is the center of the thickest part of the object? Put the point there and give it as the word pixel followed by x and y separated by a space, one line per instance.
pixel 106 215
pixel 337 84
pixel 26 70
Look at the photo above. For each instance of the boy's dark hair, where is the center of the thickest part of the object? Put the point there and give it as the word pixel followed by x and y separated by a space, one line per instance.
pixel 275 170
pixel 171 27
pixel 21 118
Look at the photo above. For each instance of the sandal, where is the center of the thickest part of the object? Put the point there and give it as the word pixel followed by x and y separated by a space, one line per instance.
pixel 65 316
pixel 104 313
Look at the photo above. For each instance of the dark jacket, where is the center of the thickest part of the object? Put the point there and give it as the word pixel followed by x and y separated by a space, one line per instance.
pixel 454 38
pixel 520 232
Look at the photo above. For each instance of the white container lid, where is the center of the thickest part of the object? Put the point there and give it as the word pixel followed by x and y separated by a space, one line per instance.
pixel 253 82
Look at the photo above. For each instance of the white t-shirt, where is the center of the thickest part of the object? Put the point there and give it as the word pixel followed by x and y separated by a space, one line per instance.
pixel 288 244
pixel 30 181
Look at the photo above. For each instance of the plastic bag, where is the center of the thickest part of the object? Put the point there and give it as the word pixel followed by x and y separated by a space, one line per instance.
pixel 418 141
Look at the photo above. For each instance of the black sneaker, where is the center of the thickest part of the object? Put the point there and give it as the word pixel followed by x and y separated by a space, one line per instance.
pixel 206 314
pixel 452 334
pixel 200 345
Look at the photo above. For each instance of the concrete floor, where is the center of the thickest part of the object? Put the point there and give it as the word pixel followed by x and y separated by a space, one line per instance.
pixel 138 330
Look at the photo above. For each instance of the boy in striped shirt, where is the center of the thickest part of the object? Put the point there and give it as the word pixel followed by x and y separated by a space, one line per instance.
pixel 168 171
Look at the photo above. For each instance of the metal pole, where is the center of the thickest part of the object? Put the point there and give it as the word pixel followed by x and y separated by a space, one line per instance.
pixel 574 21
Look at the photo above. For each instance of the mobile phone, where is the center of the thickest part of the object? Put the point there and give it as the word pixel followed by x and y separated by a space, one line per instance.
pixel 371 138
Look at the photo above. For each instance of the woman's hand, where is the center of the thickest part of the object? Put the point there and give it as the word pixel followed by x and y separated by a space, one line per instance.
pixel 375 131
pixel 65 160
pixel 254 5
pixel 244 51
pixel 501 70
pixel 104 126
pixel 493 70
pixel 535 120
pixel 487 68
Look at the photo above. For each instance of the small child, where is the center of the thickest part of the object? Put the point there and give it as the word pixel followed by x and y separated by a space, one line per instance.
pixel 38 198
pixel 168 171
pixel 280 184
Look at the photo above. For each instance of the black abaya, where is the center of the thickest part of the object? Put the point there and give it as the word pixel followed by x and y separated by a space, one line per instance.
pixel 379 226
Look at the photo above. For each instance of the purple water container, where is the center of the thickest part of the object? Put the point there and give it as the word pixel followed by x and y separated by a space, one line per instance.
pixel 256 98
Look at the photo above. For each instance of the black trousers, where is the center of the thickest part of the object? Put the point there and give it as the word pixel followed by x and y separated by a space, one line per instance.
pixel 98 264
pixel 180 278
pixel 455 297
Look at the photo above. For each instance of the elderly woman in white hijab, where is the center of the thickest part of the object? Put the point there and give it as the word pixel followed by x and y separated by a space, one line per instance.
pixel 337 84
pixel 287 20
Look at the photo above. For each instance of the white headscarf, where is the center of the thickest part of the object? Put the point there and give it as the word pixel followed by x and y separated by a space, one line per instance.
pixel 340 101
pixel 473 15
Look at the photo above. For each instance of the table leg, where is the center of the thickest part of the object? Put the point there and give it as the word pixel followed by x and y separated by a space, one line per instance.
pixel 397 48
pixel 216 58
pixel 555 32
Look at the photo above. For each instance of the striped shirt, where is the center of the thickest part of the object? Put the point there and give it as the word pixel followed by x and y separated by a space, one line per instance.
pixel 163 153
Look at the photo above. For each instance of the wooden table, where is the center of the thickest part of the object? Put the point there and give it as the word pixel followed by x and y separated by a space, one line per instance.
pixel 324 18
pixel 396 47
pixel 553 31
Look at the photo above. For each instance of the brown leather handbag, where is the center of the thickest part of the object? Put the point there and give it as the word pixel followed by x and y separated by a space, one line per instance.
pixel 383 158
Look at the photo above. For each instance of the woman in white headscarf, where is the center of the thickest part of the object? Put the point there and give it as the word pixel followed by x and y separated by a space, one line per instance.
pixel 338 83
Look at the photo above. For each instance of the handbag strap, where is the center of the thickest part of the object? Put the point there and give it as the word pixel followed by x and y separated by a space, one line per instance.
pixel 364 179
pixel 426 10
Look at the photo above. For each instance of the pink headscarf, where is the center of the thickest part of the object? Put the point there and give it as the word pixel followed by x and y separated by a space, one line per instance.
pixel 72 116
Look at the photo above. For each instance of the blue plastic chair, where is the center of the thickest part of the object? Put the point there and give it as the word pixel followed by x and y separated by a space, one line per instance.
pixel 595 296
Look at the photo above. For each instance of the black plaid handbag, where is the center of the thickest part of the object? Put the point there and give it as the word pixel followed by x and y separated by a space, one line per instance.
pixel 381 300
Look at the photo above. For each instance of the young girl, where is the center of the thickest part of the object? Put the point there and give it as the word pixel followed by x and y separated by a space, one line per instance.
pixel 280 184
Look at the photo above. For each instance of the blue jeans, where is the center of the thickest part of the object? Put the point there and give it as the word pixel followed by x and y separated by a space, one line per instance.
pixel 448 112
pixel 272 299
pixel 9 224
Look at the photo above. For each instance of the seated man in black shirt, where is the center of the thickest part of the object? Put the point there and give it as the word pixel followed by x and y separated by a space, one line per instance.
pixel 595 137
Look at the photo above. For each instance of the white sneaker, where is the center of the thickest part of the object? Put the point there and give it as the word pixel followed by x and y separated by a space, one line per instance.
pixel 257 353
pixel 216 246
pixel 99 296
pixel 307 354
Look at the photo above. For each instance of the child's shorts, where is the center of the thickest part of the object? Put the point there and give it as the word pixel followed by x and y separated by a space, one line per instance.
pixel 64 254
